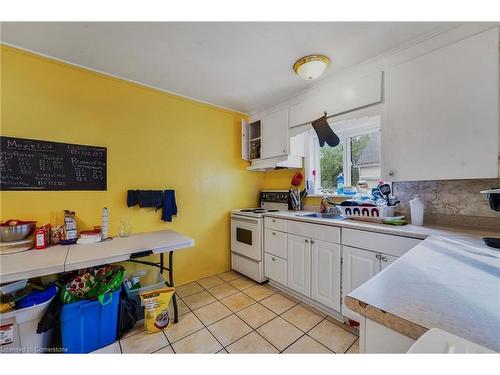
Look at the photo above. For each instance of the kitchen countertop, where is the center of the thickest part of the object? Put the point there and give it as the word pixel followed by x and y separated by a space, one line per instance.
pixel 413 231
pixel 451 281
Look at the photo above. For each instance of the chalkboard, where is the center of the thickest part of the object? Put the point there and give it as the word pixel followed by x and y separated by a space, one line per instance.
pixel 27 164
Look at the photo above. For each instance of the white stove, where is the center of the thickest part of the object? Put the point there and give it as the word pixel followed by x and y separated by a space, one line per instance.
pixel 247 234
pixel 252 212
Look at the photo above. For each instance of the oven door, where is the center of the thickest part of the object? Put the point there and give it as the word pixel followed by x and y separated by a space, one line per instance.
pixel 246 236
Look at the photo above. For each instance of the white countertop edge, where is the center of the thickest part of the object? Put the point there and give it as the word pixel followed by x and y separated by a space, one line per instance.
pixel 95 262
pixel 179 246
pixel 124 257
pixel 32 273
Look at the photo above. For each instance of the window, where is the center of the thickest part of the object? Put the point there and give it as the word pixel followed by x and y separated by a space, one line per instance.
pixel 357 156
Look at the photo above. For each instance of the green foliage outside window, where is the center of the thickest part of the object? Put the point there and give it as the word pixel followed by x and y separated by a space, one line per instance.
pixel 331 161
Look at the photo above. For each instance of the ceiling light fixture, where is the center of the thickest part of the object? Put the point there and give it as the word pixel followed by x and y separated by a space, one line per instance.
pixel 311 67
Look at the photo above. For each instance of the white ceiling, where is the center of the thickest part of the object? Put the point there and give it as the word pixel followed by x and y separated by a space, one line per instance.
pixel 242 66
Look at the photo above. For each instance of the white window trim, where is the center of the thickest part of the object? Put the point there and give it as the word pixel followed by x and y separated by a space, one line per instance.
pixel 345 130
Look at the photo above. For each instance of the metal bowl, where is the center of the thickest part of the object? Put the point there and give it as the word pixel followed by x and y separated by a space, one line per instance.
pixel 10 233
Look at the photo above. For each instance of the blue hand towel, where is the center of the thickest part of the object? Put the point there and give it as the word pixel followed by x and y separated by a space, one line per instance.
pixel 150 198
pixel 145 198
pixel 169 205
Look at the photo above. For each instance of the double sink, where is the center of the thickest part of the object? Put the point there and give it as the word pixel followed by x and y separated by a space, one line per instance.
pixel 326 216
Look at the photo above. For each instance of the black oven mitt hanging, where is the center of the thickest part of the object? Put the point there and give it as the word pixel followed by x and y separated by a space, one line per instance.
pixel 325 132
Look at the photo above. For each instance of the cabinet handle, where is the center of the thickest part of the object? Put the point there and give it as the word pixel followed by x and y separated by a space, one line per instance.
pixel 274 221
pixel 274 233
pixel 384 259
pixel 312 241
pixel 391 173
pixel 378 256
pixel 273 259
pixel 307 241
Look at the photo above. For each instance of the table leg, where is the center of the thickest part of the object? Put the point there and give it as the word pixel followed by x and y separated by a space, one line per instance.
pixel 171 281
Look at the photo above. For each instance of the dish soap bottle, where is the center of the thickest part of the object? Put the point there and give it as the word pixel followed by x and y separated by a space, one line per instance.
pixel 340 184
pixel 417 211
pixel 104 224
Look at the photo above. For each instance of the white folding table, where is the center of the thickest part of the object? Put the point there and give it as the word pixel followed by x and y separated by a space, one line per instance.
pixel 56 259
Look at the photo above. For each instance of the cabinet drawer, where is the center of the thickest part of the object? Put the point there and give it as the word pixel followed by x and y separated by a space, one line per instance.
pixel 316 231
pixel 273 223
pixel 275 243
pixel 275 268
pixel 382 243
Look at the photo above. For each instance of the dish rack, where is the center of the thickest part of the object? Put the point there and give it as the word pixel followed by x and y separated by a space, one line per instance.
pixel 378 212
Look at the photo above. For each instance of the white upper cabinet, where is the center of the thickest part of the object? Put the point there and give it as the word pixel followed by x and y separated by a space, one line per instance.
pixel 244 140
pixel 441 113
pixel 339 96
pixel 275 134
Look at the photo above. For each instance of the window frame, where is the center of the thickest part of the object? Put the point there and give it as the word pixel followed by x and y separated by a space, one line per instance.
pixel 345 130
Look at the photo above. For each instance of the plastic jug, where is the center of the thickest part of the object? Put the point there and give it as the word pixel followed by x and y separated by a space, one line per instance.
pixel 417 211
pixel 340 184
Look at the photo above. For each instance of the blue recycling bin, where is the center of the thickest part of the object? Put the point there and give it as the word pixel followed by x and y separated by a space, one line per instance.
pixel 89 325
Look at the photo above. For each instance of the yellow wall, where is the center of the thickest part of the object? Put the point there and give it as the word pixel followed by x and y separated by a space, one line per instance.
pixel 155 141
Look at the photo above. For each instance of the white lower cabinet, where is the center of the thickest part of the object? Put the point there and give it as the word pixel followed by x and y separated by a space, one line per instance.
pixel 325 273
pixel 275 268
pixel 299 264
pixel 376 338
pixel 386 260
pixel 309 259
pixel 275 243
pixel 358 266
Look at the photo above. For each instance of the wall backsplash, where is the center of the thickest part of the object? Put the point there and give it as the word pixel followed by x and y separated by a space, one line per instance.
pixel 451 202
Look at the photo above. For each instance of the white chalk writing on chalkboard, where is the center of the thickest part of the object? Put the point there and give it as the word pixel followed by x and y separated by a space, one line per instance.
pixel 27 164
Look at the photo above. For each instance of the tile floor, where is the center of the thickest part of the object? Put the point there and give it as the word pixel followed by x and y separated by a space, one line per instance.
pixel 229 313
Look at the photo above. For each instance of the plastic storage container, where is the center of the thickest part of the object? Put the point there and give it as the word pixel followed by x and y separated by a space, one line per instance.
pixel 18 330
pixel 417 211
pixel 13 287
pixel 89 325
pixel 150 279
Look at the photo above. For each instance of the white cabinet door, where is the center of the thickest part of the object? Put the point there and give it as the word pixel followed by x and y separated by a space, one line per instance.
pixel 275 243
pixel 244 140
pixel 358 266
pixel 325 273
pixel 341 95
pixel 275 268
pixel 441 113
pixel 275 134
pixel 386 260
pixel 299 264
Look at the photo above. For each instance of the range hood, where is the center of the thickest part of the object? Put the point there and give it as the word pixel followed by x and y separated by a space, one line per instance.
pixel 278 162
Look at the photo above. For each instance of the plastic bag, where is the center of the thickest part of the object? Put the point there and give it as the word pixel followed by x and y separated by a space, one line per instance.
pixel 95 283
pixel 156 307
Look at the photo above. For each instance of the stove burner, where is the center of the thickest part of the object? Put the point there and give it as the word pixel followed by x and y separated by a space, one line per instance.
pixel 259 210
pixel 247 210
pixel 272 210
